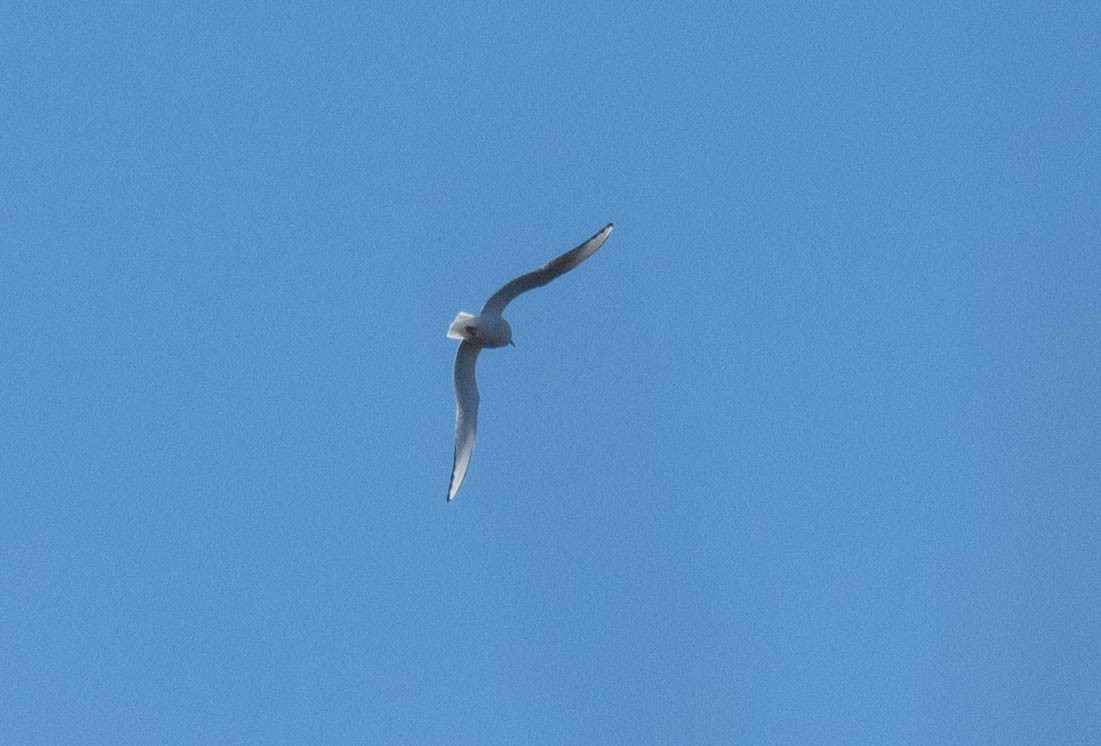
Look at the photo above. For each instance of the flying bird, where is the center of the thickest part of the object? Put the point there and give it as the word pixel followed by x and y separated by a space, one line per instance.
pixel 488 329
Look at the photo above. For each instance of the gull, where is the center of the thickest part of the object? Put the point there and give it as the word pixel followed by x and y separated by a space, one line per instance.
pixel 488 329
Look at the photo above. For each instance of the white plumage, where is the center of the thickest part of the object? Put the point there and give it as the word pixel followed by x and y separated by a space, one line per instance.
pixel 488 329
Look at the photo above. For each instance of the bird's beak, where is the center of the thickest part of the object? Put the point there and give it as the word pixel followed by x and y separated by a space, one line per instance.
pixel 512 343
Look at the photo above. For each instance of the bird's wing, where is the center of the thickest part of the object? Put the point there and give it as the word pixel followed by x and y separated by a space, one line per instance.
pixel 466 413
pixel 537 278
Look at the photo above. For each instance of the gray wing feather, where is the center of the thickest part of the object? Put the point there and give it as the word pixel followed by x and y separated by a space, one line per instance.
pixel 537 278
pixel 466 413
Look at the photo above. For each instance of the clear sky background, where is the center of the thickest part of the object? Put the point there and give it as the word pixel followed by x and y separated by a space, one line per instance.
pixel 809 452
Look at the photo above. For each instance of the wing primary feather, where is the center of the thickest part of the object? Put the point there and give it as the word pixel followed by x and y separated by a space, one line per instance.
pixel 466 413
pixel 552 269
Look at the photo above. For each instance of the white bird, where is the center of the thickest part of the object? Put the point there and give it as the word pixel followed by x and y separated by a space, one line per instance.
pixel 488 329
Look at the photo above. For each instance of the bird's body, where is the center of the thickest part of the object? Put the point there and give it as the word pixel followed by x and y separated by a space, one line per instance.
pixel 489 329
pixel 486 330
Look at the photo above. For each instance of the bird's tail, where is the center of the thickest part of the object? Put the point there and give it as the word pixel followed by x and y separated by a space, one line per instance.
pixel 458 330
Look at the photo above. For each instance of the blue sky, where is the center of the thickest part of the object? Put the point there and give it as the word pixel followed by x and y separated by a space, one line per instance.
pixel 809 452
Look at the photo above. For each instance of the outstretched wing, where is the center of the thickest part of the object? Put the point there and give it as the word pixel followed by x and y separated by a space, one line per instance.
pixel 466 413
pixel 555 267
